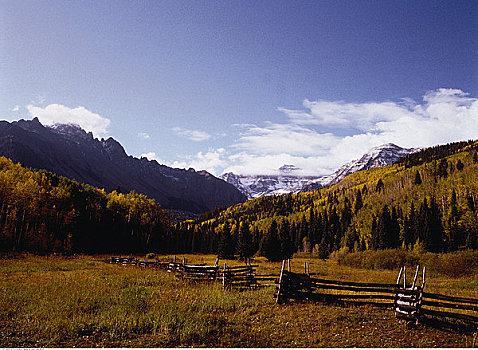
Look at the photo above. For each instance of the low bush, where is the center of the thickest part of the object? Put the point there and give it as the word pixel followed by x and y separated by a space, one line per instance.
pixel 150 256
pixel 454 264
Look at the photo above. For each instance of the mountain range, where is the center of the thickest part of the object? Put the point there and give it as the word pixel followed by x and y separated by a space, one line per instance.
pixel 69 151
pixel 254 186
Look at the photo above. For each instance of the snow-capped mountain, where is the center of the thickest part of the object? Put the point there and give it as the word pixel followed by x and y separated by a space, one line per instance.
pixel 254 186
pixel 378 156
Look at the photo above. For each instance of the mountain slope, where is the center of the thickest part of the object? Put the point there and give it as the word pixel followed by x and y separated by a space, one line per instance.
pixel 69 151
pixel 254 186
pixel 432 205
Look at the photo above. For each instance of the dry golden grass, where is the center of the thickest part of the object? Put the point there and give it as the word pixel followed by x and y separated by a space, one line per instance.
pixel 83 302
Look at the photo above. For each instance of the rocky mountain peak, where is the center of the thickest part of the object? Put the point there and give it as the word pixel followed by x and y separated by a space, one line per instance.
pixel 69 151
pixel 254 186
pixel 71 130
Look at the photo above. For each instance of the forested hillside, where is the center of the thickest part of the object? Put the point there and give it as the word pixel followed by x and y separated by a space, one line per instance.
pixel 42 212
pixel 426 201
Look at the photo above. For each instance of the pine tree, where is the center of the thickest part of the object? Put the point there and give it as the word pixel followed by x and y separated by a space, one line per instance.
pixel 358 202
pixel 272 245
pixel 442 168
pixel 459 165
pixel 418 179
pixel 431 228
pixel 225 247
pixel 379 186
pixel 287 248
pixel 244 242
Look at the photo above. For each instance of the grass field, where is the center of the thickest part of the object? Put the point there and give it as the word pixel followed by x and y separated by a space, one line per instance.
pixel 83 302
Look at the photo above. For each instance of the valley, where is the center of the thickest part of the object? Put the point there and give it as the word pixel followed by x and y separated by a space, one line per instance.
pixel 82 302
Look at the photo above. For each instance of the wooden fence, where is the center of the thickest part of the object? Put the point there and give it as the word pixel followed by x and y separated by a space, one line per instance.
pixel 125 261
pixel 465 309
pixel 408 300
pixel 243 276
pixel 301 286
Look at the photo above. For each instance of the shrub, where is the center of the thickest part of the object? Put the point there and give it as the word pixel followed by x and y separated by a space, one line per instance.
pixel 150 256
pixel 340 254
pixel 454 264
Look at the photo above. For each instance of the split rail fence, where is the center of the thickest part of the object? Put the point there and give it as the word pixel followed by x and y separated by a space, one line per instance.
pixel 243 276
pixel 409 301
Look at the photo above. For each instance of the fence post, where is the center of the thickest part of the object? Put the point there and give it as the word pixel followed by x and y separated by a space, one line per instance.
pixel 288 263
pixel 224 276
pixel 279 299
pixel 415 278
pixel 404 277
pixel 399 275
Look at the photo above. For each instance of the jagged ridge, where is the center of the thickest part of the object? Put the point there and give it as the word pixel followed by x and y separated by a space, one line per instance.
pixel 69 151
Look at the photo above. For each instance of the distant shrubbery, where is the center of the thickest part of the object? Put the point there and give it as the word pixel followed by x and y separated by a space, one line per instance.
pixel 454 264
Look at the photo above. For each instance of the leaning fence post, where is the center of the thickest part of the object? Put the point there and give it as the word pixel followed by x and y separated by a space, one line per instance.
pixel 399 275
pixel 279 299
pixel 415 278
pixel 423 278
pixel 217 262
pixel 405 277
pixel 224 276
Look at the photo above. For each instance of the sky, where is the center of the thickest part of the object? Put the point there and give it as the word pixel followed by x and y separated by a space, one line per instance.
pixel 245 86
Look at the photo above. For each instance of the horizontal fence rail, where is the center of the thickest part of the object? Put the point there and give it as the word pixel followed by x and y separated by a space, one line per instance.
pixel 243 276
pixel 301 286
pixel 465 309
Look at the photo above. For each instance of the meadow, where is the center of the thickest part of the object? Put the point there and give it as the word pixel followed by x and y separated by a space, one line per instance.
pixel 81 301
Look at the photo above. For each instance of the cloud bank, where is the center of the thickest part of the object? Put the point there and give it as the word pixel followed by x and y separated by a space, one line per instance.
pixel 59 114
pixel 324 135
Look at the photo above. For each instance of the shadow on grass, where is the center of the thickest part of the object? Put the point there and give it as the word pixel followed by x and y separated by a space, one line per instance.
pixel 449 325
pixel 441 323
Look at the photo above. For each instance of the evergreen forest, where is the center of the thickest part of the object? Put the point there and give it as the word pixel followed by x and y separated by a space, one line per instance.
pixel 427 200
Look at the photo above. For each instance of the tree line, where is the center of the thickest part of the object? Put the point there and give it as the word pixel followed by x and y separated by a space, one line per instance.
pixel 42 212
pixel 431 206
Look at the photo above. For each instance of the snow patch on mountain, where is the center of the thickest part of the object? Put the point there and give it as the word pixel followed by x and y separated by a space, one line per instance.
pixel 254 186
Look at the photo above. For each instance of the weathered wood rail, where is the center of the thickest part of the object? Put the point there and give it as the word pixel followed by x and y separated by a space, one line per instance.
pixel 136 262
pixel 465 309
pixel 408 300
pixel 243 276
pixel 301 286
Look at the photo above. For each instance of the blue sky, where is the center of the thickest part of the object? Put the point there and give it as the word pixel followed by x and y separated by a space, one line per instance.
pixel 245 86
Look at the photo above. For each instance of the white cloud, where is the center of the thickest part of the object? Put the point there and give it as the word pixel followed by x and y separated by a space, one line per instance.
pixel 445 115
pixel 327 134
pixel 194 135
pixel 284 138
pixel 16 108
pixel 213 161
pixel 59 114
pixel 143 135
